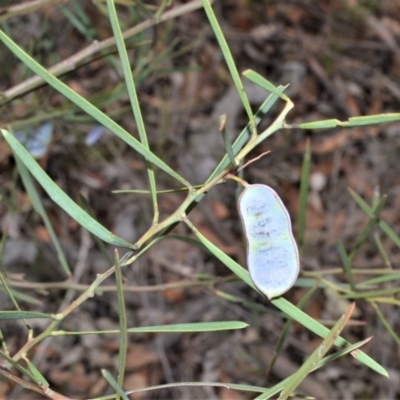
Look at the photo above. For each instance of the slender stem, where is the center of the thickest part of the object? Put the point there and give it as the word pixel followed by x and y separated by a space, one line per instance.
pixel 88 53
pixel 25 8
pixel 68 285
pixel 123 325
pixel 179 214
pixel 47 332
pixel 131 87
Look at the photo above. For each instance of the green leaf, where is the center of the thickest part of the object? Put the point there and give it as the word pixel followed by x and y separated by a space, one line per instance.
pixel 252 305
pixel 39 378
pixel 24 297
pixel 227 142
pixel 189 240
pixel 353 121
pixel 264 83
pixel 380 279
pixel 16 365
pixel 193 327
pixel 325 124
pixel 23 314
pixel 13 300
pixel 130 85
pixel 382 250
pixel 60 197
pixel 325 361
pixel 386 323
pixel 224 258
pixel 373 119
pixel 246 133
pixel 229 59
pixel 113 383
pixel 123 335
pixel 369 226
pixel 88 107
pixel 21 382
pixel 246 388
pixel 316 356
pixel 370 212
pixel 346 264
pixel 282 304
pixel 286 328
pixel 174 328
pixel 322 331
pixel 372 293
pixel 38 206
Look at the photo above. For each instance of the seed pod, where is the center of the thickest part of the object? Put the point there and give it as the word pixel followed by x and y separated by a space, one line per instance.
pixel 272 255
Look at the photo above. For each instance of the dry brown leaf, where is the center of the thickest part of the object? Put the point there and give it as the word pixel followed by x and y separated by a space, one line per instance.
pixel 138 357
pixel 81 380
pixel 77 87
pixel 42 234
pixel 137 380
pixel 352 105
pixel 290 197
pixel 220 210
pixel 382 31
pixel 5 152
pixel 174 295
pixel 315 218
pixel 98 388
pixel 4 388
pixel 338 224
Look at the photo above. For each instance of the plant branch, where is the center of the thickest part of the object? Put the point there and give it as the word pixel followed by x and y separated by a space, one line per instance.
pixel 87 54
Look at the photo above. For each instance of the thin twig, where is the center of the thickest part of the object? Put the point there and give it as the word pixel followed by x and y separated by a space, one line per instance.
pixel 253 159
pixel 78 271
pixel 86 54
pixel 112 288
pixel 25 8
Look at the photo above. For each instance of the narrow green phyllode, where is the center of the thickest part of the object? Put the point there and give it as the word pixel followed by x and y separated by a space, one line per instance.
pixel 272 254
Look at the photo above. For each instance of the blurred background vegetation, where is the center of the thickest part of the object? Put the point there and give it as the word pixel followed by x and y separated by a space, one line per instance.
pixel 341 59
